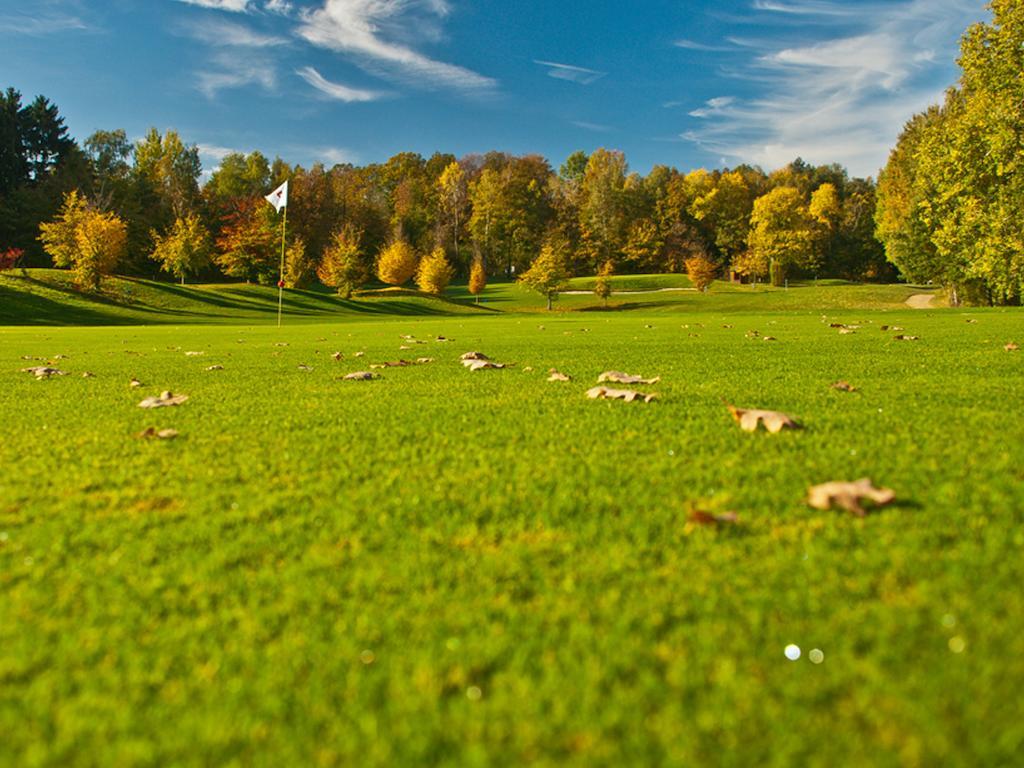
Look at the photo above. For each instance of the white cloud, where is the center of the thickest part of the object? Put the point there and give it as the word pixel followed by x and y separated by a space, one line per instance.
pixel 235 71
pixel 36 24
pixel 580 75
pixel 235 6
pixel 218 32
pixel 336 90
pixel 376 33
pixel 692 45
pixel 841 99
pixel 596 127
pixel 214 152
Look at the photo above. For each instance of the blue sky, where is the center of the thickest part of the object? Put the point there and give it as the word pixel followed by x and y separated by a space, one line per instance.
pixel 690 83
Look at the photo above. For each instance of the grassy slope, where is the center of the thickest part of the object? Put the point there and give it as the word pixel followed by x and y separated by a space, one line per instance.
pixel 47 297
pixel 320 572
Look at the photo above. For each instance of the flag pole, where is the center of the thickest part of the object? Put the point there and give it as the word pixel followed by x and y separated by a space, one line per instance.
pixel 280 281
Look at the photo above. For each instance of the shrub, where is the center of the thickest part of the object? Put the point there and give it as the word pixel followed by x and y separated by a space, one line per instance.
pixel 9 258
pixel 701 271
pixel 396 264
pixel 434 273
pixel 342 265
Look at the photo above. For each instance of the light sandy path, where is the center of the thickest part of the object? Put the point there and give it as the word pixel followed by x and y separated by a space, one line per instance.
pixel 921 301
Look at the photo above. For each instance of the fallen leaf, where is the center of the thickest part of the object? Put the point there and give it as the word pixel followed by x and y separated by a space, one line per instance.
pixel 441 340
pixel 1011 347
pixel 358 354
pixel 891 328
pixel 88 375
pixel 164 400
pixel 404 347
pixel 901 337
pixel 482 365
pixel 215 368
pixel 474 356
pixel 768 338
pixel 43 371
pixel 753 334
pixel 360 376
pixel 424 360
pixel 194 354
pixel 844 386
pixel 773 421
pixel 848 496
pixel 305 368
pixel 281 344
pixel 391 364
pixel 153 433
pixel 971 320
pixel 134 383
pixel 618 377
pixel 727 326
pixel 556 376
pixel 845 331
pixel 604 393
pixel 700 517
pixel 337 356
pixel 528 369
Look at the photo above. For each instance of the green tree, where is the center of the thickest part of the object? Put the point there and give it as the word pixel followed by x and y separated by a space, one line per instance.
pixel 185 249
pixel 59 237
pixel 780 237
pixel 343 266
pixel 603 217
pixel 453 196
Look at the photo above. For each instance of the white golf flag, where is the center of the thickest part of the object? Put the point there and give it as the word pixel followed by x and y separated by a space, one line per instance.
pixel 279 197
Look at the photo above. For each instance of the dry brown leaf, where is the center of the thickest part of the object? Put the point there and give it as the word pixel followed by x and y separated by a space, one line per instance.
pixel 305 368
pixel 971 321
pixel 755 334
pixel 844 386
pixel 424 360
pixel 845 331
pixel 768 338
pixel 194 354
pixel 891 328
pixel 215 368
pixel 152 433
pixel 337 356
pixel 773 421
pixel 700 517
pixel 441 340
pixel 404 348
pixel 557 376
pixel 358 354
pixel 901 337
pixel 360 376
pixel 474 356
pixel 134 383
pixel 618 377
pixel 391 364
pixel 604 393
pixel 482 365
pixel 43 371
pixel 1011 347
pixel 88 375
pixel 849 496
pixel 164 400
pixel 281 344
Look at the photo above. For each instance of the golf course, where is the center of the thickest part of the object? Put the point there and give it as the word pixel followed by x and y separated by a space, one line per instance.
pixel 447 566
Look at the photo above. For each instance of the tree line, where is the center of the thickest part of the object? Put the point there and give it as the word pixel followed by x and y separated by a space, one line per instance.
pixel 951 198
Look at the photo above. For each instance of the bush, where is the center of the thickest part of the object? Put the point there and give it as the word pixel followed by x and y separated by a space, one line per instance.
pixel 396 264
pixel 434 273
pixel 9 258
pixel 701 271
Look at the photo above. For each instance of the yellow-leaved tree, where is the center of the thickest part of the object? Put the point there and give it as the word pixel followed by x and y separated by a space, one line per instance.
pixel 298 266
pixel 702 272
pixel 603 286
pixel 396 264
pixel 477 278
pixel 342 265
pixel 90 242
pixel 549 272
pixel 434 272
pixel 185 248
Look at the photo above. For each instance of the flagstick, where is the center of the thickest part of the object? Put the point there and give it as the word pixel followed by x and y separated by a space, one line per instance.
pixel 280 282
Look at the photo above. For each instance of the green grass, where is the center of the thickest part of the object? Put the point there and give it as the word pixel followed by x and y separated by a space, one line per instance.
pixel 321 572
pixel 48 297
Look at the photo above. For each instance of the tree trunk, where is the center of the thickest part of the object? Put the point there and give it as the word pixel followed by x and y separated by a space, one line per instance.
pixel 549 302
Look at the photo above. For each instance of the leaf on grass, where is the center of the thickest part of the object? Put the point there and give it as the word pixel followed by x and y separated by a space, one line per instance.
pixel 134 383
pixel 891 328
pixel 482 365
pixel 88 375
pixel 557 376
pixel 215 368
pixel 305 368
pixel 971 321
pixel 43 371
pixel 849 496
pixel 281 344
pixel 194 354
pixel 391 364
pixel 152 433
pixel 1011 347
pixel 360 376
pixel 700 517
pixel 773 421
pixel 755 334
pixel 618 377
pixel 358 354
pixel 844 386
pixel 441 340
pixel 164 400
pixel 474 356
pixel 424 360
pixel 846 331
pixel 404 348
pixel 604 393
pixel 901 337
pixel 337 356
pixel 768 338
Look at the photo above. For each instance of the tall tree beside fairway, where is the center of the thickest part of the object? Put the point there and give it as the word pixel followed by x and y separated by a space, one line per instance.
pixel 453 196
pixel 477 278
pixel 602 211
pixel 185 249
pixel 825 211
pixel 549 272
pixel 485 196
pixel 248 242
pixel 343 266
pixel 434 272
pixel 726 208
pixel 780 237
pixel 396 264
pixel 603 283
pixel 171 168
pixel 58 236
pixel 299 267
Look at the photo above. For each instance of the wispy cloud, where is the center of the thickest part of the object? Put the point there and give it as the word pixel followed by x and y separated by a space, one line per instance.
pixel 336 91
pixel 219 32
pixel 235 71
pixel 38 24
pixel 595 127
pixel 838 99
pixel 574 74
pixel 377 34
pixel 691 45
pixel 235 6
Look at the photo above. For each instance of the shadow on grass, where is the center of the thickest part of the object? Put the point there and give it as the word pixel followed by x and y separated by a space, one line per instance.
pixel 29 308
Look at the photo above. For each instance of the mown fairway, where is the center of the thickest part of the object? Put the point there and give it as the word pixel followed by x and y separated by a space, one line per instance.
pixel 446 567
